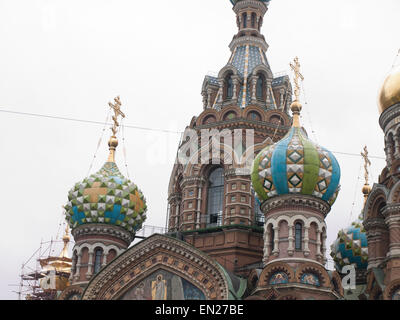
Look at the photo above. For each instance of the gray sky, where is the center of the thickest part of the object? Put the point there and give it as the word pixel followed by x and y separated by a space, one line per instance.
pixel 69 58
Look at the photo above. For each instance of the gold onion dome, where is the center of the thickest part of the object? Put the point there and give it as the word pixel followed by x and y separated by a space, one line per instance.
pixel 389 94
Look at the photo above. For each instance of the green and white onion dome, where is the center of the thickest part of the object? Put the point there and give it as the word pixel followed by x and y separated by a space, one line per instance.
pixel 106 197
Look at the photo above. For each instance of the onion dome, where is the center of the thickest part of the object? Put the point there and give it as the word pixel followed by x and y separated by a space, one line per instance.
pixel 390 92
pixel 107 197
pixel 351 247
pixel 296 165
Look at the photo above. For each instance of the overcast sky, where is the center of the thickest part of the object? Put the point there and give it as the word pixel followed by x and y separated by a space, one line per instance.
pixel 70 58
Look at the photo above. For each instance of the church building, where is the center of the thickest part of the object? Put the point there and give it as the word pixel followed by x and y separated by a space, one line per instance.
pixel 247 200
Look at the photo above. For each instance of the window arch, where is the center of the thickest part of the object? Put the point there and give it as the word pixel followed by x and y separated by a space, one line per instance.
pixel 260 87
pixel 271 238
pixel 298 235
pixel 253 115
pixel 215 197
pixel 244 17
pixel 253 20
pixel 229 86
pixel 98 253
pixel 74 261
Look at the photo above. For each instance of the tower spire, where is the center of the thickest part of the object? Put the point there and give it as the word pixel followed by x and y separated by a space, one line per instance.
pixel 296 105
pixel 113 142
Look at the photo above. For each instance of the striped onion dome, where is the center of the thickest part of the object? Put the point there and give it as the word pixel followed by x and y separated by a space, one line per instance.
pixel 296 165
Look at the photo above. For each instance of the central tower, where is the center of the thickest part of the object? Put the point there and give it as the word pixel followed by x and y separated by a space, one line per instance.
pixel 245 108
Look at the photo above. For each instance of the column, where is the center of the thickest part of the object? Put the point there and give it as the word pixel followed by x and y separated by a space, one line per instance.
pixel 267 96
pixel 306 250
pixel 104 258
pixel 282 103
pixel 323 247
pixel 235 81
pixel 90 265
pixel 266 245
pixel 198 213
pixel 396 146
pixel 253 88
pixel 319 253
pixel 276 241
pixel 291 240
pixel 78 266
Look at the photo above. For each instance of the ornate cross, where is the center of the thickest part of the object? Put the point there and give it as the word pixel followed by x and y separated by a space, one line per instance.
pixel 117 112
pixel 297 76
pixel 366 163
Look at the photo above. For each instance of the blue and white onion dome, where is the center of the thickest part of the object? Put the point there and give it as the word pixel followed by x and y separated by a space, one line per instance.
pixel 351 247
pixel 296 165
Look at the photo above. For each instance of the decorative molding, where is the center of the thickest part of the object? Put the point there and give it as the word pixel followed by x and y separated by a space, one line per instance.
pixel 148 256
pixel 299 201
pixel 102 229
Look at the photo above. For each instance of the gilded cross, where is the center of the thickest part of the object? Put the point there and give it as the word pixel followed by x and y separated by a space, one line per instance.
pixel 367 163
pixel 297 75
pixel 117 112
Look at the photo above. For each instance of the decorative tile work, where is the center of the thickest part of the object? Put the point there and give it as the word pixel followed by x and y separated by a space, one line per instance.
pixel 106 197
pixel 296 165
pixel 351 247
pixel 245 59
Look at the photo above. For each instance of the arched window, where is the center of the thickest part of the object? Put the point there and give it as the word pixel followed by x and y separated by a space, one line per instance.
pixel 244 17
pixel 272 239
pixel 229 87
pixel 74 262
pixel 215 197
pixel 260 87
pixel 98 253
pixel 253 20
pixel 298 235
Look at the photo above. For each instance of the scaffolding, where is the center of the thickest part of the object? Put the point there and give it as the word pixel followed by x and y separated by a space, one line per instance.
pixel 35 270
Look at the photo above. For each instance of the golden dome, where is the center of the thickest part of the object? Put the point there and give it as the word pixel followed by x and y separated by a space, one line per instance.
pixel 390 91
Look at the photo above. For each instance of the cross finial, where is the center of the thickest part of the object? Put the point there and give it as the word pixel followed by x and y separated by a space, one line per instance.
pixel 117 112
pixel 297 75
pixel 367 163
pixel 113 142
